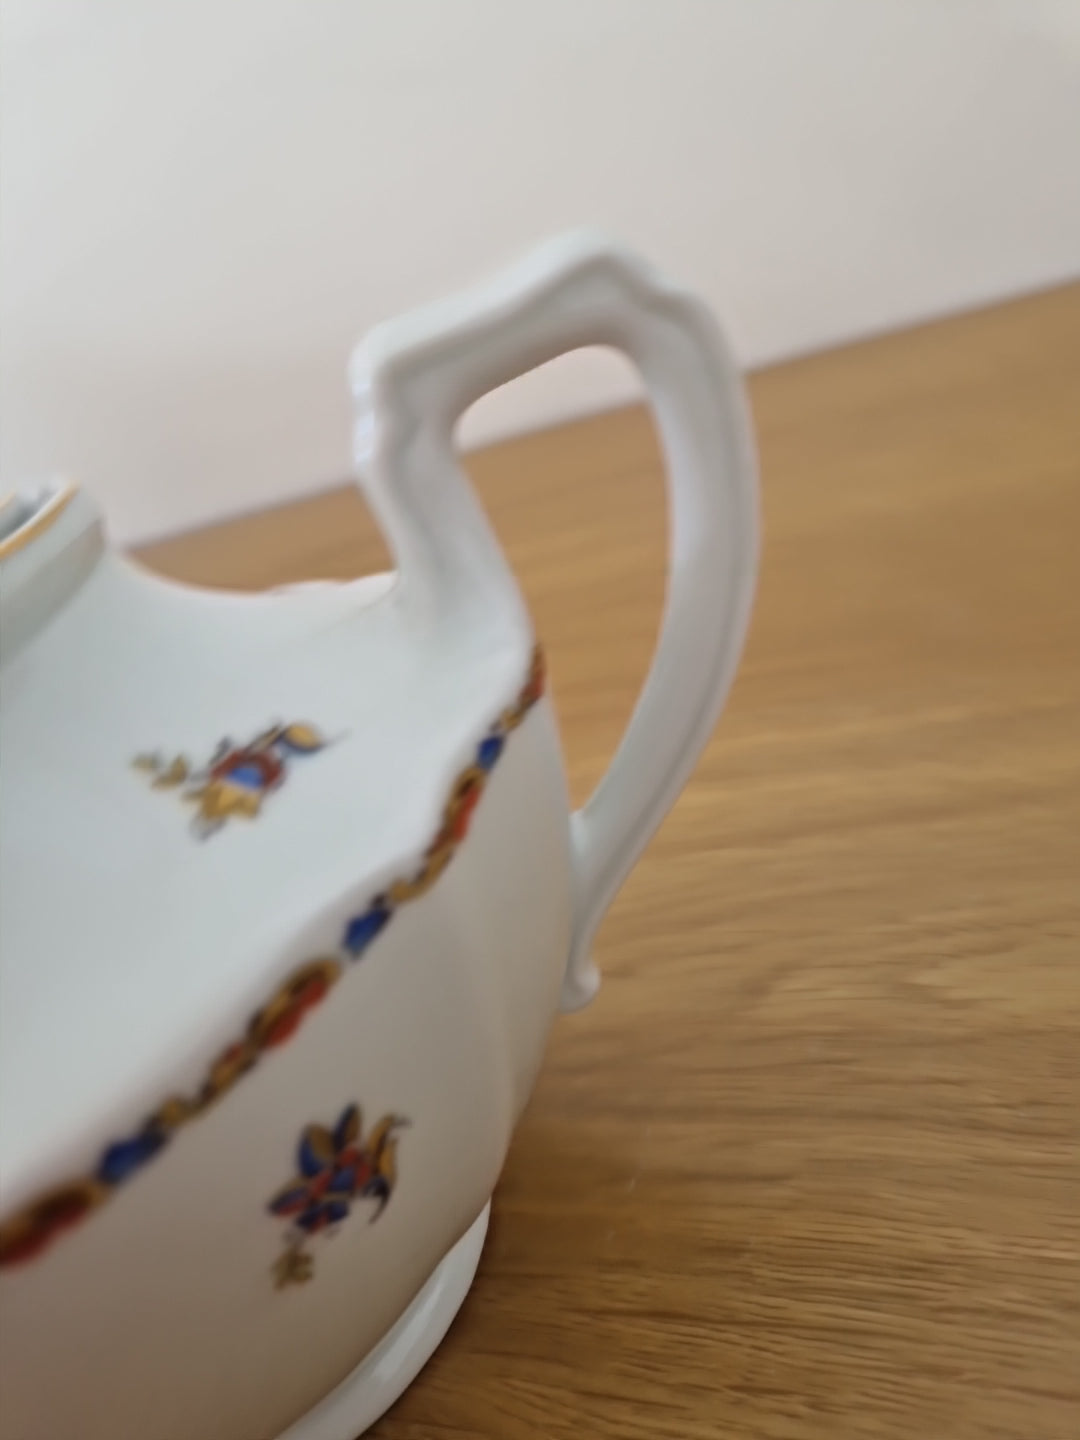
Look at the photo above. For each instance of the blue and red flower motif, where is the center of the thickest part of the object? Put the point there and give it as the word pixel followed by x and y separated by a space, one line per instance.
pixel 336 1167
pixel 237 778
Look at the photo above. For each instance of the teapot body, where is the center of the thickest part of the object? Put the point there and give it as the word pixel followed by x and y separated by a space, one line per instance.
pixel 360 1115
pixel 292 891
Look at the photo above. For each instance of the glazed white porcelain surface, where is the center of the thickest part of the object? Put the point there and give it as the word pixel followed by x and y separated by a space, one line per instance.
pixel 330 989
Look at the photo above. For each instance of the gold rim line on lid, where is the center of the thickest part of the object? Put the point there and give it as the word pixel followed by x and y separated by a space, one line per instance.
pixel 41 520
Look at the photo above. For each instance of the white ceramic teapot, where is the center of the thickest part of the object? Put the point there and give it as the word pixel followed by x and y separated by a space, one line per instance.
pixel 291 892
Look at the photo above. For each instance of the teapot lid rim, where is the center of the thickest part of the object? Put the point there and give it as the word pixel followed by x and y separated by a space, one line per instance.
pixel 51 539
pixel 39 511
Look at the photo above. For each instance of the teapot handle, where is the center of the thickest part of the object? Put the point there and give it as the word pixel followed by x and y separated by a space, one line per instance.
pixel 413 378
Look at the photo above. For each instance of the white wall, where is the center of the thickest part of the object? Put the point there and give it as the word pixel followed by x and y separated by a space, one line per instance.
pixel 205 202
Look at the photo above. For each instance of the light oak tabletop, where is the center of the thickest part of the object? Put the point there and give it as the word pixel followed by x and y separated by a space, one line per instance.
pixel 809 1167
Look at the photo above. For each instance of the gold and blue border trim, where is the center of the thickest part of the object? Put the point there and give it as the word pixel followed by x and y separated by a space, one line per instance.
pixel 30 1231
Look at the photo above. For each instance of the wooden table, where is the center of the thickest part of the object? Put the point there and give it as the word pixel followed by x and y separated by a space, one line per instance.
pixel 810 1165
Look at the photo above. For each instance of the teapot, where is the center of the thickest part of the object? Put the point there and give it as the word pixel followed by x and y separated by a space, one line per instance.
pixel 292 892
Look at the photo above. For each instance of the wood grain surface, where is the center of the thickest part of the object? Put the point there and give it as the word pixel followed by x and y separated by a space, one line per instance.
pixel 809 1167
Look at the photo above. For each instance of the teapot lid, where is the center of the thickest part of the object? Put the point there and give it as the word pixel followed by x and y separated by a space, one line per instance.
pixel 51 537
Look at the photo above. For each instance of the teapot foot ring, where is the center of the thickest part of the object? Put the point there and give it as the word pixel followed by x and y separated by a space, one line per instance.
pixel 387 1372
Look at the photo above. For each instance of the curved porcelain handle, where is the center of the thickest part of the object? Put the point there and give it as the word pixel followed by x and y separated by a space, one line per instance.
pixel 413 378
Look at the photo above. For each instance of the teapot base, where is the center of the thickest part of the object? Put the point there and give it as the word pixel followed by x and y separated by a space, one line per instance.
pixel 384 1375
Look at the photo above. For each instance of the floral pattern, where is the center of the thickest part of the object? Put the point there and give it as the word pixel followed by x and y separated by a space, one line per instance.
pixel 30 1231
pixel 237 778
pixel 335 1168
